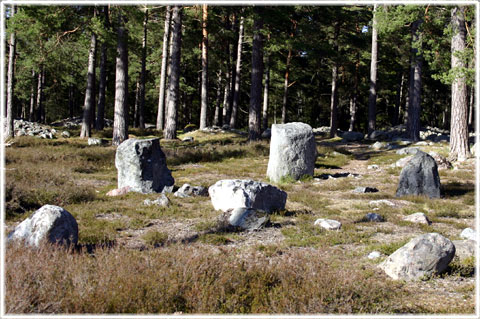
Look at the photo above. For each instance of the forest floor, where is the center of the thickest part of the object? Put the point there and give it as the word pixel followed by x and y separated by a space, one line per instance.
pixel 173 260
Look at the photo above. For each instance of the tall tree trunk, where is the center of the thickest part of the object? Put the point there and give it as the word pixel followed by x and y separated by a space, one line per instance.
pixel 226 94
pixel 136 108
pixel 354 97
pixel 90 91
pixel 31 113
pixel 217 117
pixel 120 119
pixel 170 131
pixel 11 76
pixel 334 96
pixel 204 91
pixel 236 90
pixel 40 82
pixel 398 99
pixel 161 96
pixel 169 68
pixel 415 89
pixel 254 128
pixel 232 50
pixel 459 148
pixel 285 87
pixel 471 107
pixel 265 94
pixel 143 72
pixel 100 122
pixel 372 96
pixel 70 101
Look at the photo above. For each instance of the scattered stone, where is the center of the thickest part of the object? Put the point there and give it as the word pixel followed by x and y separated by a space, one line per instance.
pixel 66 134
pixel 441 138
pixel 292 151
pixel 118 191
pixel 421 257
pixel 249 219
pixel 228 194
pixel 187 190
pixel 96 141
pixel 374 166
pixel 442 162
pixel 468 233
pixel 378 135
pixel 77 121
pixel 374 217
pixel 419 177
pixel 464 248
pixel 188 139
pixel 381 202
pixel 403 161
pixel 374 255
pixel 352 136
pixel 142 166
pixel 49 222
pixel 162 201
pixel 225 127
pixel 378 145
pixel 328 224
pixel 417 218
pixel 267 133
pixel 408 151
pixel 367 189
pixel 421 143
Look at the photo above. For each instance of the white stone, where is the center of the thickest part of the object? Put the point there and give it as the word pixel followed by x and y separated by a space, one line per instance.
pixel 162 201
pixel 381 202
pixel 418 218
pixel 292 151
pixel 229 194
pixel 374 255
pixel 248 218
pixel 328 224
pixel 469 233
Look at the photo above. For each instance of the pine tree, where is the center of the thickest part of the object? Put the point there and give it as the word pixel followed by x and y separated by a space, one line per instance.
pixel 254 128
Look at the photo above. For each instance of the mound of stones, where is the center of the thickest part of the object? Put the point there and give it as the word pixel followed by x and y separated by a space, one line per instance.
pixel 246 203
pixel 419 177
pixel 26 128
pixel 77 121
pixel 292 151
pixel 421 257
pixel 188 190
pixel 142 167
pixel 52 223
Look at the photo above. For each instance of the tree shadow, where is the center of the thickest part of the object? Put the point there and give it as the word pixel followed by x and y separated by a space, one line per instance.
pixel 455 189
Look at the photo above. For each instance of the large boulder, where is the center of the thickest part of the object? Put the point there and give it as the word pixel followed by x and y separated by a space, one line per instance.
pixel 292 151
pixel 464 248
pixel 352 136
pixel 422 256
pixel 419 177
pixel 142 166
pixel 49 222
pixel 229 194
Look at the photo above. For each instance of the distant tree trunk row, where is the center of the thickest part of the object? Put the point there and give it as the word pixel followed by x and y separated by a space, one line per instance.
pixel 10 132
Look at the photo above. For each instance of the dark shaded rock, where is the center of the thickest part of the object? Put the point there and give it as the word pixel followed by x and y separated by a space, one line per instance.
pixel 244 218
pixel 352 136
pixel 367 189
pixel 419 177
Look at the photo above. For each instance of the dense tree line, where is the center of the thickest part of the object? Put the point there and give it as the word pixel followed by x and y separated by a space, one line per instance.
pixel 348 67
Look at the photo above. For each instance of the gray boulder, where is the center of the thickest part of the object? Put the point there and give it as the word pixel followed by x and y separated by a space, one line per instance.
pixel 228 194
pixel 328 224
pixel 267 133
pixel 464 248
pixel 65 134
pixel 352 136
pixel 408 151
pixel 49 222
pixel 419 177
pixel 292 151
pixel 373 217
pixel 142 166
pixel 468 233
pixel 378 135
pixel 417 218
pixel 187 190
pixel 423 256
pixel 162 201
pixel 442 162
pixel 245 218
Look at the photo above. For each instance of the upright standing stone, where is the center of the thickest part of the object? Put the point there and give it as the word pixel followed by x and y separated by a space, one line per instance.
pixel 419 177
pixel 142 166
pixel 49 222
pixel 292 151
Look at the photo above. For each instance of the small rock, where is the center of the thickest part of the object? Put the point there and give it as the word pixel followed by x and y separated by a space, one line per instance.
pixel 373 217
pixel 96 141
pixel 162 201
pixel 469 233
pixel 379 145
pixel 418 218
pixel 119 191
pixel 374 166
pixel 188 139
pixel 66 134
pixel 374 255
pixel 328 224
pixel 352 136
pixel 408 151
pixel 187 190
pixel 421 143
pixel 267 133
pixel 381 202
pixel 464 248
pixel 367 189
pixel 246 218
pixel 442 162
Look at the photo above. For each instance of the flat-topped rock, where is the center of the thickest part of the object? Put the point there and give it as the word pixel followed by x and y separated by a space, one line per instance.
pixel 328 224
pixel 234 193
pixel 292 151
pixel 142 166
pixel 417 218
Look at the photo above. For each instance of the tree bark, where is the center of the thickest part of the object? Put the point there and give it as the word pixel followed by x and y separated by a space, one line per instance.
pixel 90 91
pixel 120 119
pixel 226 94
pixel 40 82
pixel 161 96
pixel 204 90
pixel 170 131
pixel 100 122
pixel 236 90
pixel 232 53
pixel 31 113
pixel 372 96
pixel 415 90
pixel 143 72
pixel 10 132
pixel 334 96
pixel 398 99
pixel 265 94
pixel 354 97
pixel 471 107
pixel 285 87
pixel 459 148
pixel 254 128
pixel 217 117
